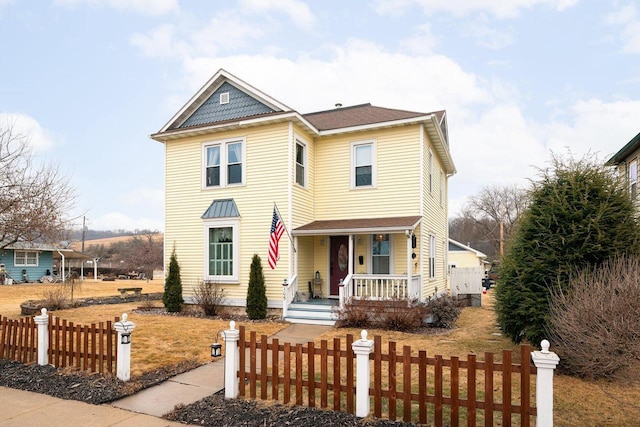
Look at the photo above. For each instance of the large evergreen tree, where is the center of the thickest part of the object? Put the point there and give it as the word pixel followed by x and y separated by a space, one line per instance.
pixel 172 297
pixel 580 215
pixel 257 293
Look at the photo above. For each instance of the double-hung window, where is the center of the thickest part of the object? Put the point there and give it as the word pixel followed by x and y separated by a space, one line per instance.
pixel 222 251
pixel 363 164
pixel 432 256
pixel 633 178
pixel 25 259
pixel 223 163
pixel 380 254
pixel 301 163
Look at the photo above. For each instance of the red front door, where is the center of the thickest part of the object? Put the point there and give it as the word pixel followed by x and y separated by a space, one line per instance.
pixel 338 262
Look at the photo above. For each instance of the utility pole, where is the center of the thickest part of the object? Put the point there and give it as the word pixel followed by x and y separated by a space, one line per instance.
pixel 84 231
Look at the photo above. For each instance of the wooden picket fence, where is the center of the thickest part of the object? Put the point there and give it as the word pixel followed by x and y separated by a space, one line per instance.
pixel 18 339
pixel 91 348
pixel 403 385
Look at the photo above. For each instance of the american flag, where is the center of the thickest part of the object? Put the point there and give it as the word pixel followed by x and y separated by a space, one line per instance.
pixel 277 228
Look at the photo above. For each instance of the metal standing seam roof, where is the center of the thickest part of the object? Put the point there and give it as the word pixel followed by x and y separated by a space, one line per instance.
pixel 224 208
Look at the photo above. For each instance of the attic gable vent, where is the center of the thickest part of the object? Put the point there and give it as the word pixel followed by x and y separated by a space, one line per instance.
pixel 224 98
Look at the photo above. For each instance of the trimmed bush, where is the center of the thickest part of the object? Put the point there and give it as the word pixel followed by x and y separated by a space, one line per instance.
pixel 172 297
pixel 257 293
pixel 445 311
pixel 580 215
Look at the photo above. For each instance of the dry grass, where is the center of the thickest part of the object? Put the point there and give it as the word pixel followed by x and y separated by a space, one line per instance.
pixel 164 340
pixel 108 241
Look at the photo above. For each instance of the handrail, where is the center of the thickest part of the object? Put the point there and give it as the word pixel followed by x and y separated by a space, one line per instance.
pixel 289 289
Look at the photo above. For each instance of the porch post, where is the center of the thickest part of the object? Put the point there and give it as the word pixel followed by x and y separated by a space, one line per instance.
pixel 351 250
pixel 409 266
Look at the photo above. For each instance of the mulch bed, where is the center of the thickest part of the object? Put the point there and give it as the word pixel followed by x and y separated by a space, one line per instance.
pixel 210 411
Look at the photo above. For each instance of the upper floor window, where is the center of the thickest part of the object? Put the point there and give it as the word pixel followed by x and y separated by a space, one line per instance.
pixel 301 163
pixel 25 259
pixel 363 165
pixel 223 164
pixel 633 178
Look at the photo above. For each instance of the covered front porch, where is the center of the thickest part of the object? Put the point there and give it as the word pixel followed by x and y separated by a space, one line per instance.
pixel 369 258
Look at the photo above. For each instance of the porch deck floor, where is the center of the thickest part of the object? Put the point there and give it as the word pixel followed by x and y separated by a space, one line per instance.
pixel 319 302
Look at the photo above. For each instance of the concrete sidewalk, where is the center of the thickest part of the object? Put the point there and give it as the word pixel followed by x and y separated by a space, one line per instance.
pixel 25 408
pixel 203 381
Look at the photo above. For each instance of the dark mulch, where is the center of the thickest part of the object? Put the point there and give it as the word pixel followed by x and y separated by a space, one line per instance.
pixel 216 411
pixel 210 411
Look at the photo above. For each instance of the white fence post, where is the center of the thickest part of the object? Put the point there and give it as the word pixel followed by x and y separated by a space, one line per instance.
pixel 362 348
pixel 231 337
pixel 546 362
pixel 43 337
pixel 124 328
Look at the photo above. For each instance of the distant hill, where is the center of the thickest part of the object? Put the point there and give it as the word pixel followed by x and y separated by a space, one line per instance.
pixel 108 241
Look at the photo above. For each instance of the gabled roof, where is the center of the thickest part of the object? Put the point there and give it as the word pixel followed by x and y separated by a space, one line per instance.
pixel 630 148
pixel 455 246
pixel 203 114
pixel 357 115
pixel 199 105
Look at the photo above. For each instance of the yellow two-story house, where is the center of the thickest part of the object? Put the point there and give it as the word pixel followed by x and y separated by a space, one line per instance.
pixel 362 191
pixel 626 161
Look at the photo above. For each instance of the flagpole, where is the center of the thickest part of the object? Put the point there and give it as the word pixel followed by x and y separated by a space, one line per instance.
pixel 285 227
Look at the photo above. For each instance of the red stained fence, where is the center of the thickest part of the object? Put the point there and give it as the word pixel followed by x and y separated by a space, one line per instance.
pixel 89 348
pixel 403 385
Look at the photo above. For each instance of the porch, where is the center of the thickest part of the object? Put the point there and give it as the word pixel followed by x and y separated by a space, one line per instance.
pixel 372 258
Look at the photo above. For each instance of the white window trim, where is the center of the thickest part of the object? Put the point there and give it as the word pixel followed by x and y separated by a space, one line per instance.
pixel 25 264
pixel 370 254
pixel 224 98
pixel 305 165
pixel 374 167
pixel 219 223
pixel 223 162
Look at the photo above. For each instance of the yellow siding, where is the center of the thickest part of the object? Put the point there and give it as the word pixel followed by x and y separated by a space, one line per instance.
pixel 266 149
pixel 397 185
pixel 434 222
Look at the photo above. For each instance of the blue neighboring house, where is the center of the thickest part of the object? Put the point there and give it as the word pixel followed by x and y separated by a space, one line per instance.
pixel 27 262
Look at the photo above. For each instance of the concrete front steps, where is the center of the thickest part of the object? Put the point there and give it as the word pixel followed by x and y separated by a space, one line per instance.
pixel 313 312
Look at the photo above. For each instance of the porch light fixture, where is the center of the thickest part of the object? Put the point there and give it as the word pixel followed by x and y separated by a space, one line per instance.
pixel 216 347
pixel 379 237
pixel 125 338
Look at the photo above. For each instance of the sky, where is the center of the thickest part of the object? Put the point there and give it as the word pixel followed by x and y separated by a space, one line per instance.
pixel 89 80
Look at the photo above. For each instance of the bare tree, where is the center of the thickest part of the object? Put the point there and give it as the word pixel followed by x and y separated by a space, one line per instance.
pixel 484 211
pixel 34 199
pixel 143 252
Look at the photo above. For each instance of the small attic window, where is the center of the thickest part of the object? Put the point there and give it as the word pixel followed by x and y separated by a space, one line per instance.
pixel 224 98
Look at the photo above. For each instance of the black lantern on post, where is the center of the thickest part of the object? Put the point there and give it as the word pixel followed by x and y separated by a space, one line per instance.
pixel 216 347
pixel 125 338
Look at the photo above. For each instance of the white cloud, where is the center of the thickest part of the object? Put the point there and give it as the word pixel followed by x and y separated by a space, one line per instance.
pixel 298 12
pixel 498 8
pixel 160 42
pixel 421 43
pixel 627 20
pixel 39 138
pixel 144 7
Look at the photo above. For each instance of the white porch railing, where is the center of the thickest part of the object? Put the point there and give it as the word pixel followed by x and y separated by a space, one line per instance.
pixel 379 286
pixel 289 289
